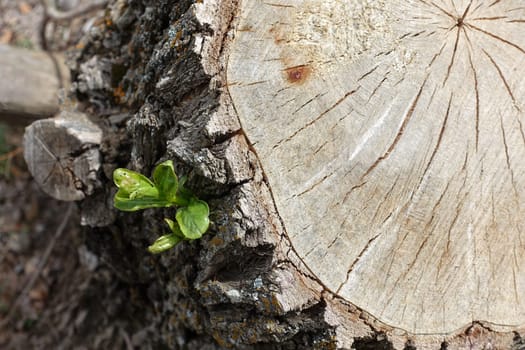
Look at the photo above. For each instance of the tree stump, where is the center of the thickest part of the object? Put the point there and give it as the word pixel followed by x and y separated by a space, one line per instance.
pixel 361 161
pixel 391 136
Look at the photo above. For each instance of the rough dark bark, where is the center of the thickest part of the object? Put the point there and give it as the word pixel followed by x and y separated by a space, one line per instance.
pixel 152 76
pixel 159 94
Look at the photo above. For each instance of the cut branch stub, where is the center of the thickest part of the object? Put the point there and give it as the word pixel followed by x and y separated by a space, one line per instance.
pixel 30 84
pixel 63 155
pixel 391 133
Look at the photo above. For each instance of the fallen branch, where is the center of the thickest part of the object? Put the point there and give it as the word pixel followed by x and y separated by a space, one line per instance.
pixel 51 13
pixel 11 154
pixel 55 14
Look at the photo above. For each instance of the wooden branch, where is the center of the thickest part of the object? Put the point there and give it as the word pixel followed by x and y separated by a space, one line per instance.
pixel 30 84
pixel 63 156
pixel 83 9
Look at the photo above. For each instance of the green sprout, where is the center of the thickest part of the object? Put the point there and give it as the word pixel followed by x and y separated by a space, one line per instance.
pixel 136 192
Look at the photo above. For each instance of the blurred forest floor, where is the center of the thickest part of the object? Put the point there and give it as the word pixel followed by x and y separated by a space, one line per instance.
pixel 53 291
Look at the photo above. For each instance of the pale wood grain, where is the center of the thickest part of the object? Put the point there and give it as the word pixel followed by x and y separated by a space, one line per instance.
pixel 391 135
pixel 29 84
pixel 62 154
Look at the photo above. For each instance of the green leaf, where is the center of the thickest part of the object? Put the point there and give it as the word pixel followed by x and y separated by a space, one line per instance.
pixel 164 243
pixel 166 181
pixel 136 192
pixel 124 203
pixel 133 184
pixel 184 196
pixel 193 220
pixel 174 227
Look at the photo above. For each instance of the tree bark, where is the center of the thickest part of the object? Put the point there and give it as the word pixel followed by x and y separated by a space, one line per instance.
pixel 358 189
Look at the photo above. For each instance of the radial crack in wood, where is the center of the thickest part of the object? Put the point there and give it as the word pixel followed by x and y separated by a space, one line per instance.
pixel 63 156
pixel 391 135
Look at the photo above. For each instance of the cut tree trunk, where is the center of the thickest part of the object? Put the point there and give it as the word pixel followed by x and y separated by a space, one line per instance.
pixel 30 84
pixel 362 161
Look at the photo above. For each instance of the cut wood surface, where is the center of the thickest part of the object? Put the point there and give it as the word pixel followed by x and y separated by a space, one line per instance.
pixel 391 134
pixel 62 154
pixel 30 82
